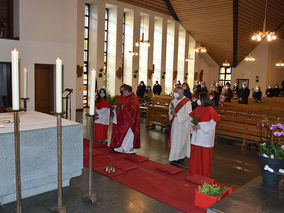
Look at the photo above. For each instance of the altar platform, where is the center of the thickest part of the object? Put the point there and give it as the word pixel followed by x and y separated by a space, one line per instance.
pixel 38 145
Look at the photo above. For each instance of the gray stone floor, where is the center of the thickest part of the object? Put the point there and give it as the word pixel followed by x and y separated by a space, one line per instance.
pixel 231 166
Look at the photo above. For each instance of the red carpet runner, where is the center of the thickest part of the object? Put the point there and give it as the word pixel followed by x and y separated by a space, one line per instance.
pixel 142 175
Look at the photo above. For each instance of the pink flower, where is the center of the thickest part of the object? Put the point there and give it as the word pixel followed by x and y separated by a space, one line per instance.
pixel 282 147
pixel 277 134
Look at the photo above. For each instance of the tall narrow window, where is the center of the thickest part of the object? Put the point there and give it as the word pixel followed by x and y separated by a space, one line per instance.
pixel 123 45
pixel 225 75
pixel 181 53
pixel 86 55
pixel 157 56
pixel 190 63
pixel 170 57
pixel 106 40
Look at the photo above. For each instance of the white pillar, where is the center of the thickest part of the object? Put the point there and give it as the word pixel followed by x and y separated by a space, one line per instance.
pixel 186 53
pixel 176 30
pixel 150 49
pixel 163 53
pixel 135 64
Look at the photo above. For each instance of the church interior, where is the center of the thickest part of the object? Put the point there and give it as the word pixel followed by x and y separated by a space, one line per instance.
pixel 142 106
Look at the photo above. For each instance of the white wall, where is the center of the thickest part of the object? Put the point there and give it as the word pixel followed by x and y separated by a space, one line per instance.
pixel 48 29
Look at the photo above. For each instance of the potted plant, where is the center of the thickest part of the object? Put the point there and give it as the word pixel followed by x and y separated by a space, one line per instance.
pixel 271 152
pixel 209 194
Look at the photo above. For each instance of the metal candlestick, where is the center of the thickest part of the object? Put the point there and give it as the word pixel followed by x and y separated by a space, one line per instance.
pixel 25 103
pixel 60 208
pixel 91 197
pixel 17 161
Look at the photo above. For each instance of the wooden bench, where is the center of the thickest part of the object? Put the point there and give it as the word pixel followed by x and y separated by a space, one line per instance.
pixel 157 115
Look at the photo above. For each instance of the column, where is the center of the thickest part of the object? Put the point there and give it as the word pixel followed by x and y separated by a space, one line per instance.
pixel 135 60
pixel 163 53
pixel 176 40
pixel 150 50
pixel 186 55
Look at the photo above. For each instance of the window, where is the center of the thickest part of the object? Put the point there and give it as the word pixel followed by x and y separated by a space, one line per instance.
pixel 123 45
pixel 225 75
pixel 9 19
pixel 170 57
pixel 86 55
pixel 106 39
pixel 157 48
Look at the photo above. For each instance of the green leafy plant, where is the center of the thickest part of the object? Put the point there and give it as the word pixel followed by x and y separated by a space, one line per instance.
pixel 195 120
pixel 212 190
pixel 172 106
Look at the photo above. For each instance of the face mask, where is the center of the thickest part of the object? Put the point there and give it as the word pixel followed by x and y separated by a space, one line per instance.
pixel 184 88
pixel 124 94
pixel 176 95
pixel 194 100
pixel 257 89
pixel 202 86
pixel 121 92
pixel 211 98
pixel 213 89
pixel 244 86
pixel 276 86
pixel 102 95
pixel 227 88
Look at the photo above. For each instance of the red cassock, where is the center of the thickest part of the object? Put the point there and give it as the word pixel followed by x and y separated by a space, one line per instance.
pixel 120 100
pixel 203 141
pixel 128 116
pixel 101 125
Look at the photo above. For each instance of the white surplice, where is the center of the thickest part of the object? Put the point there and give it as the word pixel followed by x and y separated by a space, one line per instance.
pixel 180 132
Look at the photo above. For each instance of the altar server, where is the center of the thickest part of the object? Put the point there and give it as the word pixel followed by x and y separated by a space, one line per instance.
pixel 120 100
pixel 203 136
pixel 102 120
pixel 126 138
pixel 179 140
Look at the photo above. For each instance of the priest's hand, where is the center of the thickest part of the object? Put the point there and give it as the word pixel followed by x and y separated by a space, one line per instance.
pixel 115 106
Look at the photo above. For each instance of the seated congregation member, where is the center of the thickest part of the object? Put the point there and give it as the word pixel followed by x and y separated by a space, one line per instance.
pixel 235 90
pixel 148 92
pixel 157 88
pixel 126 138
pixel 120 100
pixel 186 91
pixel 244 94
pixel 227 93
pixel 101 124
pixel 276 91
pixel 179 140
pixel 195 101
pixel 216 94
pixel 203 135
pixel 269 92
pixel 257 94
pixel 212 98
pixel 141 90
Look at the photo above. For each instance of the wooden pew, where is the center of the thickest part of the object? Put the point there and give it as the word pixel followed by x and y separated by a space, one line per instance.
pixel 157 115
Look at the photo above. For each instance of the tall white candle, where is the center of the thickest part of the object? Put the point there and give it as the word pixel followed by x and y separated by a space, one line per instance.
pixel 92 92
pixel 58 85
pixel 15 80
pixel 25 83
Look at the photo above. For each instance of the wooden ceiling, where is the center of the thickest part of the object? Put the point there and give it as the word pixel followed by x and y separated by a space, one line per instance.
pixel 223 26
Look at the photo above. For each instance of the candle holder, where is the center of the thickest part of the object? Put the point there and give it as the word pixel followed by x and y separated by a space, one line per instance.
pixel 60 208
pixel 17 160
pixel 90 196
pixel 25 103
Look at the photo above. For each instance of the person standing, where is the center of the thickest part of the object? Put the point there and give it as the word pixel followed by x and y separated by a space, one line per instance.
pixel 219 88
pixel 186 91
pixel 203 135
pixel 257 94
pixel 179 140
pixel 244 94
pixel 126 138
pixel 235 90
pixel 276 91
pixel 141 90
pixel 195 101
pixel 269 92
pixel 157 88
pixel 103 114
pixel 227 94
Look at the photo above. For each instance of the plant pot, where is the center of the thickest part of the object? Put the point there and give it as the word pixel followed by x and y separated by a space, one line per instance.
pixel 204 200
pixel 269 178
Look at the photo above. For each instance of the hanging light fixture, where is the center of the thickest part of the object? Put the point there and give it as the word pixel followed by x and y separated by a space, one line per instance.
pixel 258 36
pixel 279 64
pixel 142 41
pixel 249 58
pixel 226 64
pixel 200 49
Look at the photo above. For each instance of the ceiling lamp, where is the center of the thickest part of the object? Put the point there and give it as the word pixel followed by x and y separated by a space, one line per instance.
pixel 133 53
pixel 200 49
pixel 279 64
pixel 142 42
pixel 249 58
pixel 226 64
pixel 258 36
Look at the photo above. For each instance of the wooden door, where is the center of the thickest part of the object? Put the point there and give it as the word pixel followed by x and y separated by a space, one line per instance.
pixel 44 88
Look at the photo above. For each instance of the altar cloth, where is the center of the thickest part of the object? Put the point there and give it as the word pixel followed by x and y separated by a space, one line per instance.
pixel 38 147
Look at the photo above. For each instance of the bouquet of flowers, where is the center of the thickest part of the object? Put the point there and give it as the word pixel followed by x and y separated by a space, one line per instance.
pixel 272 148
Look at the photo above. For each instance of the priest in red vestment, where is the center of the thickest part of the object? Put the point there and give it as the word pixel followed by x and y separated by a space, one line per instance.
pixel 120 100
pixel 203 135
pixel 126 138
pixel 102 121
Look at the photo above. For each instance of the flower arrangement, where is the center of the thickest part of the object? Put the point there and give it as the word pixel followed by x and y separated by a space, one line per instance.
pixel 212 189
pixel 272 148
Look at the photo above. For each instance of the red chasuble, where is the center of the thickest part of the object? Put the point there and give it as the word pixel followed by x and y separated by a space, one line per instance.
pixel 120 99
pixel 128 116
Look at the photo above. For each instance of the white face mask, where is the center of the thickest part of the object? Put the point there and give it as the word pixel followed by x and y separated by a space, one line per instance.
pixel 193 99
pixel 257 89
pixel 184 88
pixel 176 95
pixel 211 98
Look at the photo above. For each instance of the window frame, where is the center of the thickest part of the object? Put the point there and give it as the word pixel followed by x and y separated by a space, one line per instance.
pixel 86 62
pixel 226 73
